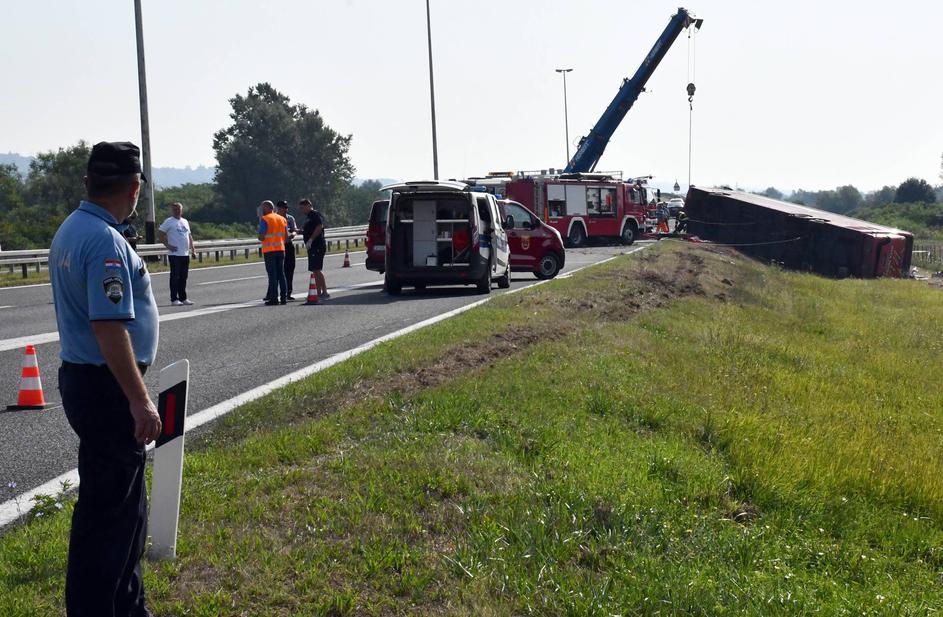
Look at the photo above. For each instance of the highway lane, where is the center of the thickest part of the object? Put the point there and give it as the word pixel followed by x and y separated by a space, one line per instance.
pixel 241 346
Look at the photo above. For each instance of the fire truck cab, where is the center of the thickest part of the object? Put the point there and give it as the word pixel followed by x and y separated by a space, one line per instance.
pixel 584 205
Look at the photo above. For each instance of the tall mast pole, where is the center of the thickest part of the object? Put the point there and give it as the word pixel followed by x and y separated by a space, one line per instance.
pixel 149 225
pixel 435 146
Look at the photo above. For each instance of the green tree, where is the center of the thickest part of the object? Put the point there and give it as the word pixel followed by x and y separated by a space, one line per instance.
pixel 11 188
pixel 915 190
pixel 200 202
pixel 352 206
pixel 881 197
pixel 772 193
pixel 276 150
pixel 55 181
pixel 841 200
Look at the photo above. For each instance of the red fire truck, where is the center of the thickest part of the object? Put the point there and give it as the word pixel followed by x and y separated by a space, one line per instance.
pixel 584 205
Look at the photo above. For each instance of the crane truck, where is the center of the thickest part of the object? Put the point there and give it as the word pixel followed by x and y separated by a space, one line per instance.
pixel 579 202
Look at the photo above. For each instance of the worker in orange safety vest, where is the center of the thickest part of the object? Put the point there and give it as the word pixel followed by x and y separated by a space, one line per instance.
pixel 273 232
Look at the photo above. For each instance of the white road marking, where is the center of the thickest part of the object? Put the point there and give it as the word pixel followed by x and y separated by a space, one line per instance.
pixel 7 306
pixel 52 337
pixel 23 341
pixel 197 269
pixel 245 278
pixel 19 505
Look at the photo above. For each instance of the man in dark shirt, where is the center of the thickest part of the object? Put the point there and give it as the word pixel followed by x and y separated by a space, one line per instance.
pixel 281 208
pixel 313 235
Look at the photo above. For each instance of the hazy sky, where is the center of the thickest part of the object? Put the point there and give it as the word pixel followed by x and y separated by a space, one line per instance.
pixel 801 94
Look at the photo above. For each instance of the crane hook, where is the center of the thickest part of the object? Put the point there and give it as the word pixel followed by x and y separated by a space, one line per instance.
pixel 691 90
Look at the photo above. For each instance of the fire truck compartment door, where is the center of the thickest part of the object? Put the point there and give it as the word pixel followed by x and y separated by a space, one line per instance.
pixel 575 200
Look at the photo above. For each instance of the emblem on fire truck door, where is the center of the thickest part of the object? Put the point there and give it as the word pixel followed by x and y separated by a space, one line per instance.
pixel 525 242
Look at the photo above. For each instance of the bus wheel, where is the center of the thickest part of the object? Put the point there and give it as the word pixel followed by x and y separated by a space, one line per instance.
pixel 628 235
pixel 577 236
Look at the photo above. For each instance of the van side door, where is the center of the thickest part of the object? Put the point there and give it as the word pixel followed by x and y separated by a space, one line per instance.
pixel 500 237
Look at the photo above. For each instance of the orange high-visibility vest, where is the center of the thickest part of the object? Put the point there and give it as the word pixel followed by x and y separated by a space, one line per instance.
pixel 276 232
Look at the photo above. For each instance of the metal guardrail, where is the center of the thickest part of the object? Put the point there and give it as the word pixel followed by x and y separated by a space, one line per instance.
pixel 930 253
pixel 336 237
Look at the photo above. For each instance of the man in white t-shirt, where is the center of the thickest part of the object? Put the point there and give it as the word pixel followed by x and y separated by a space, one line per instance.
pixel 175 234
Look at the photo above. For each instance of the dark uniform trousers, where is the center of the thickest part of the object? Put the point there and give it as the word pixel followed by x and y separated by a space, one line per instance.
pixel 289 263
pixel 179 269
pixel 109 523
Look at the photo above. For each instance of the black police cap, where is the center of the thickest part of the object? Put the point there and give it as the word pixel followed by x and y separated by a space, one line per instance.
pixel 115 158
pixel 282 204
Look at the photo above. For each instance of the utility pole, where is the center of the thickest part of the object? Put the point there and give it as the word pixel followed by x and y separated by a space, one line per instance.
pixel 149 225
pixel 435 146
pixel 566 114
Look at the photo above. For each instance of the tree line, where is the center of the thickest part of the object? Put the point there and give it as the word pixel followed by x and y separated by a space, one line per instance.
pixel 272 149
pixel 914 205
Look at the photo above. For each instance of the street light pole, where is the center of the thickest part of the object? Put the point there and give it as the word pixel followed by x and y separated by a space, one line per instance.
pixel 435 147
pixel 566 114
pixel 149 225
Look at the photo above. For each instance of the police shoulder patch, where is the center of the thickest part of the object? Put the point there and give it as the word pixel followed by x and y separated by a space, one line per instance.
pixel 114 289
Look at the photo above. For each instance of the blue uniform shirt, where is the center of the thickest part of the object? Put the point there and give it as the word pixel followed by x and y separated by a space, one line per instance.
pixel 96 276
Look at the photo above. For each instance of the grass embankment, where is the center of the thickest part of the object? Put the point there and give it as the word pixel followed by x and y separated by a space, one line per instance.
pixel 686 432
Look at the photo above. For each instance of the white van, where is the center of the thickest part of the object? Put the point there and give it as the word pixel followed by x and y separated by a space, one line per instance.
pixel 443 233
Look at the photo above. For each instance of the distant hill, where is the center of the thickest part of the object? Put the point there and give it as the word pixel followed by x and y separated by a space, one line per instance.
pixel 164 177
pixel 21 162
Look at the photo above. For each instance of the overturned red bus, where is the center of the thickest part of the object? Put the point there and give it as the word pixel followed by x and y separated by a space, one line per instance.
pixel 798 237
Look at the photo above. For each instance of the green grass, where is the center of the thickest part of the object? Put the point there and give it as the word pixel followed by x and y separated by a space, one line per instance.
pixel 687 433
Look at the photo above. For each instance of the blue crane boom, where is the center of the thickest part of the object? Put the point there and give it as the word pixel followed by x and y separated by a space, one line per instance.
pixel 593 145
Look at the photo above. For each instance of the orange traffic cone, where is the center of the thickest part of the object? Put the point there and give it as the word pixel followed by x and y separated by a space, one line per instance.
pixel 31 388
pixel 312 292
pixel 346 259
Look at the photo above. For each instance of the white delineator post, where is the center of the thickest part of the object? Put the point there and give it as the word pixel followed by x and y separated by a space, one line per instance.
pixel 168 461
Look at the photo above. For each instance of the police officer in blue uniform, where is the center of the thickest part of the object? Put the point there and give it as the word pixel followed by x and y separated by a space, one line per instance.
pixel 108 329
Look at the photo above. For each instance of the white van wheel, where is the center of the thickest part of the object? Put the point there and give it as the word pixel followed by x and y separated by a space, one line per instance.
pixel 392 288
pixel 505 281
pixel 484 285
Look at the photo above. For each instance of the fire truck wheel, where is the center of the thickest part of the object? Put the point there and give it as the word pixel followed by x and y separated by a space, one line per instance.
pixel 548 267
pixel 505 281
pixel 628 235
pixel 577 236
pixel 484 285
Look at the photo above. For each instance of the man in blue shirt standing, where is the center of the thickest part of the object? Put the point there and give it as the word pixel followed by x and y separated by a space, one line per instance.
pixel 108 330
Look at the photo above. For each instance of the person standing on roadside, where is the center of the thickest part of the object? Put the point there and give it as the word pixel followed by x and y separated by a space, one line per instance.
pixel 681 222
pixel 282 209
pixel 129 232
pixel 313 235
pixel 175 234
pixel 108 330
pixel 273 230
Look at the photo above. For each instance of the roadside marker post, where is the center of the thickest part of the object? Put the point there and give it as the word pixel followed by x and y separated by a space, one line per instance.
pixel 168 461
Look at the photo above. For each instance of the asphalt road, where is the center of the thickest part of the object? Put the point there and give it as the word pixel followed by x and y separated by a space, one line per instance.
pixel 233 342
